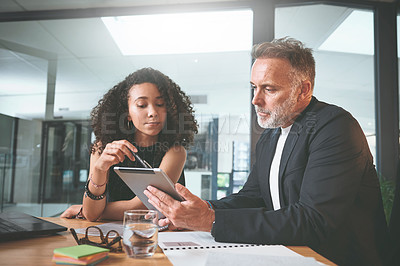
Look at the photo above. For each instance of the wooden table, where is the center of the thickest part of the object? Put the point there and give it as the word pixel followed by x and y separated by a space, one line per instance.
pixel 39 250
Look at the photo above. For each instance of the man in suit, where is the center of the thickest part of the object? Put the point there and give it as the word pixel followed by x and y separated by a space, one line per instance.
pixel 313 182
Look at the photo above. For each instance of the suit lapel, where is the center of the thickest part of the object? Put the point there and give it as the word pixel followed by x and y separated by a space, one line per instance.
pixel 287 151
pixel 269 153
pixel 291 143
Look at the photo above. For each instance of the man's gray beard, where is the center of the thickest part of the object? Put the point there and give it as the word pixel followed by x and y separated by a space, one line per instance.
pixel 280 116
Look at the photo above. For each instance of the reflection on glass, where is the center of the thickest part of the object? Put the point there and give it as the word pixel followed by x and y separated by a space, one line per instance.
pixel 342 40
pixel 23 83
pixel 87 60
pixel 182 33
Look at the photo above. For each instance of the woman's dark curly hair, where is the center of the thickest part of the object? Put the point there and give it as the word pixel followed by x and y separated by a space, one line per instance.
pixel 109 117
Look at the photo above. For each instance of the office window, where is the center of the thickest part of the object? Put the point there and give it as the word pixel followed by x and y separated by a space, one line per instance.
pixel 78 60
pixel 343 42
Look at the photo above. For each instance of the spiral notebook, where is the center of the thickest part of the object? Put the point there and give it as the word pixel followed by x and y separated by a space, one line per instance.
pixel 197 248
pixel 193 240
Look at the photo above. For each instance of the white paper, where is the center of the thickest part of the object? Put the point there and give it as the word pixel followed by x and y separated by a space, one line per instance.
pixel 200 249
pixel 117 226
pixel 255 255
pixel 221 257
pixel 191 240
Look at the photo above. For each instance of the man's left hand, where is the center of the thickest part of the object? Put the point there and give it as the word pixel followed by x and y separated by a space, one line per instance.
pixel 192 213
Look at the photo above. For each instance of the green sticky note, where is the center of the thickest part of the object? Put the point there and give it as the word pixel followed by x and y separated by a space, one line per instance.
pixel 79 251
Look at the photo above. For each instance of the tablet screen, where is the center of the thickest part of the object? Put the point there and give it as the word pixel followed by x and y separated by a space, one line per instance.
pixel 138 179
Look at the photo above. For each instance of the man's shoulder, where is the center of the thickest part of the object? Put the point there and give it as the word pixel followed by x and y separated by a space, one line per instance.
pixel 324 107
pixel 325 119
pixel 322 112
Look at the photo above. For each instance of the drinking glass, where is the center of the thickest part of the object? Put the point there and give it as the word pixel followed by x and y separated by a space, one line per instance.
pixel 140 235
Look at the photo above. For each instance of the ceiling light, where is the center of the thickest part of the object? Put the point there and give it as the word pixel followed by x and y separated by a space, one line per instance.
pixel 354 35
pixel 182 33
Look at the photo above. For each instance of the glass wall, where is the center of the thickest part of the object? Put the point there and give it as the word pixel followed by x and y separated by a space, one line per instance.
pixel 343 42
pixel 53 72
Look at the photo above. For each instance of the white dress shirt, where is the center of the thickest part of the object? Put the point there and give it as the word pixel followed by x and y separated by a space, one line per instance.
pixel 274 171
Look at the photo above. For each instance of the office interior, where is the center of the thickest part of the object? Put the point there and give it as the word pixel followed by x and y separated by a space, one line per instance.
pixel 57 58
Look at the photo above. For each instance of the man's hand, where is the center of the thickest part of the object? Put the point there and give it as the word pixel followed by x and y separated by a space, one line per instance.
pixel 192 213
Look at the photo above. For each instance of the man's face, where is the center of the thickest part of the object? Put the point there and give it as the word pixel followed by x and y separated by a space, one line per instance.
pixel 275 101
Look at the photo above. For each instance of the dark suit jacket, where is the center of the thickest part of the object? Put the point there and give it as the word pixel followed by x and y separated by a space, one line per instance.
pixel 329 192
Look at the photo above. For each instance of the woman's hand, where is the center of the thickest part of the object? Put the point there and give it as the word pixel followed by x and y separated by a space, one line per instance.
pixel 71 212
pixel 112 154
pixel 115 153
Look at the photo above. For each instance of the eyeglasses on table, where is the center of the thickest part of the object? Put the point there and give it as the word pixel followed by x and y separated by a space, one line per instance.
pixel 112 240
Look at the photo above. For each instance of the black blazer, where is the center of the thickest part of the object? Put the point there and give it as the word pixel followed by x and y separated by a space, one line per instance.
pixel 329 192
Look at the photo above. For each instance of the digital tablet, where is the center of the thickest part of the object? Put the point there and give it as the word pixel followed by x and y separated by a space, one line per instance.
pixel 138 179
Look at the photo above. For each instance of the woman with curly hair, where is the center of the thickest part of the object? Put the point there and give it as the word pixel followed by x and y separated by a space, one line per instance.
pixel 148 114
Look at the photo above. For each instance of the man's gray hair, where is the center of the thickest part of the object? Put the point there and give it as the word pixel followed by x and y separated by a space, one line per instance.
pixel 300 57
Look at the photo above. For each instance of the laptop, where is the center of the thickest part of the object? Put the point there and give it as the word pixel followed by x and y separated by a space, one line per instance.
pixel 18 225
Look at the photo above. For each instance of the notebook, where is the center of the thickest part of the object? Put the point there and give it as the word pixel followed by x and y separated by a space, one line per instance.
pixel 197 248
pixel 18 225
pixel 193 240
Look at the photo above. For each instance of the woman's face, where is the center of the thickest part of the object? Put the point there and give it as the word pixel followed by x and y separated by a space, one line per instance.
pixel 147 111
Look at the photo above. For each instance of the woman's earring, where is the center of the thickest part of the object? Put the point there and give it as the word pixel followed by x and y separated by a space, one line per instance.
pixel 129 124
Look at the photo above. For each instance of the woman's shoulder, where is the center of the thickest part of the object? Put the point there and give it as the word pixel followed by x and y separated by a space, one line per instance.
pixel 173 161
pixel 176 150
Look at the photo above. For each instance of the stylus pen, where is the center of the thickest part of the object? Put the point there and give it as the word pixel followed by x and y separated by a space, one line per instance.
pixel 143 162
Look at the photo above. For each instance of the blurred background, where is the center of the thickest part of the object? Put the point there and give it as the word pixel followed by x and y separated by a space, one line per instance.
pixel 57 59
